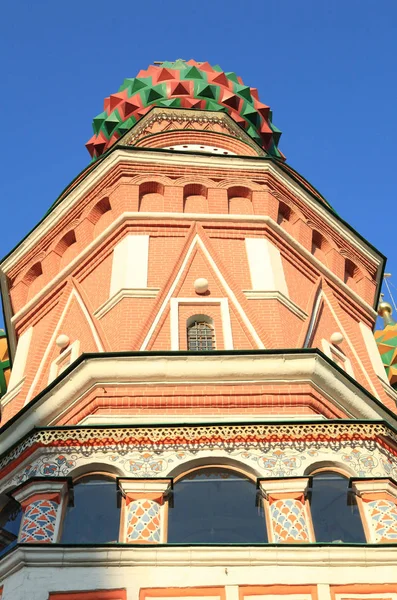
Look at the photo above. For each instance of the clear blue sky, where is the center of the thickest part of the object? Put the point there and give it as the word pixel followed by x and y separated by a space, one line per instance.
pixel 327 68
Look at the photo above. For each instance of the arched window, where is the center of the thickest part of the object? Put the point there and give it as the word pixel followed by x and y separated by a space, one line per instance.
pixel 10 522
pixel 200 334
pixel 214 505
pixel 94 517
pixel 334 511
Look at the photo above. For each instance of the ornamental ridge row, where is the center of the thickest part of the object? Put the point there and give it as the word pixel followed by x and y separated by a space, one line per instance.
pixel 199 437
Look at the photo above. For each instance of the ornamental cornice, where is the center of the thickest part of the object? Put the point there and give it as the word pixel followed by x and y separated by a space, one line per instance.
pixel 187 117
pixel 198 437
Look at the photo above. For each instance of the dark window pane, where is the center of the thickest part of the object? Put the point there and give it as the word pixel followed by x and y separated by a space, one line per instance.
pixel 200 336
pixel 334 511
pixel 10 522
pixel 215 506
pixel 95 517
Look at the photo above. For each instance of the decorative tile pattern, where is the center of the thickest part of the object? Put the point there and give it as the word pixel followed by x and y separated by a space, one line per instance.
pixel 143 521
pixel 384 519
pixel 182 84
pixel 288 521
pixel 269 458
pixel 38 523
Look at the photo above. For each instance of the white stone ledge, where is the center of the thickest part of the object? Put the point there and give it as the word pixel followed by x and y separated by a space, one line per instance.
pixel 315 557
pixel 124 293
pixel 276 295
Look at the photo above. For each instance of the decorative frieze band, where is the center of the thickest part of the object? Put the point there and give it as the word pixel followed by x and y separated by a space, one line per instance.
pixel 335 435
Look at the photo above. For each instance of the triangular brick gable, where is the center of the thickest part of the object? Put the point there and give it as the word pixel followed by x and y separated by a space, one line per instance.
pixel 76 323
pixel 199 259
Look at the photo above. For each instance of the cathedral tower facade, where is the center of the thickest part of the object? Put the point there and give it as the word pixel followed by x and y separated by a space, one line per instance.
pixel 197 406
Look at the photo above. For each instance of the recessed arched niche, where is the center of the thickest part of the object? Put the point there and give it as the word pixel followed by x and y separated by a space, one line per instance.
pixel 101 215
pixel 151 197
pixel 195 198
pixel 320 246
pixel 240 201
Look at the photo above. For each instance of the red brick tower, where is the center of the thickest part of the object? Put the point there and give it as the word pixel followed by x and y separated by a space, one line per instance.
pixel 191 333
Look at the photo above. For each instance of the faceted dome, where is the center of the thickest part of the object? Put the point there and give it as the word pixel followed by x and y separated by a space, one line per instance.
pixel 182 84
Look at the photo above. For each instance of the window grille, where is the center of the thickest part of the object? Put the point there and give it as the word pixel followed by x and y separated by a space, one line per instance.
pixel 200 336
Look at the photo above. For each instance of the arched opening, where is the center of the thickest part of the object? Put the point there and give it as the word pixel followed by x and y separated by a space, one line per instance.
pixel 319 245
pixel 34 272
pixel 195 198
pixel 284 215
pixel 34 279
pixel 240 201
pixel 67 248
pixel 65 242
pixel 335 513
pixel 10 523
pixel 100 208
pixel 94 517
pixel 351 272
pixel 200 334
pixel 151 197
pixel 215 505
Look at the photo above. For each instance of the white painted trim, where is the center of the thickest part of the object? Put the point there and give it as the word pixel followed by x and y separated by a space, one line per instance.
pixel 130 263
pixel 265 265
pixel 328 349
pixel 371 386
pixel 292 595
pixel 72 352
pixel 190 369
pixel 137 216
pixel 269 295
pixel 391 392
pixel 11 394
pixel 323 591
pixel 232 592
pixel 21 358
pixel 161 418
pixel 198 241
pixel 124 293
pixel 225 316
pixel 313 320
pixel 73 294
pixel 348 595
pixel 373 351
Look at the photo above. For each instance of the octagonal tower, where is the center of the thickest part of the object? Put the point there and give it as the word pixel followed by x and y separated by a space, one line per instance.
pixel 195 381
